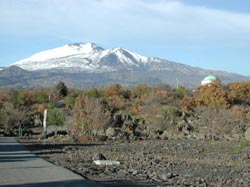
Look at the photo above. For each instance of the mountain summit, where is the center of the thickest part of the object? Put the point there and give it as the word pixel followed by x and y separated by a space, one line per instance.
pixel 90 58
pixel 86 65
pixel 63 51
pixel 87 57
pixel 57 57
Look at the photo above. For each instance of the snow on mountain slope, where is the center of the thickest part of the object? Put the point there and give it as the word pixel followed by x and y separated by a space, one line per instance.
pixel 85 57
pixel 89 57
pixel 125 55
pixel 64 51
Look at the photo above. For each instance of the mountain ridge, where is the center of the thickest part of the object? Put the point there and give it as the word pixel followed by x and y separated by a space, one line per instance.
pixel 82 65
pixel 91 58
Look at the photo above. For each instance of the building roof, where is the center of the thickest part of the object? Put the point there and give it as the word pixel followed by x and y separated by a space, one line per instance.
pixel 210 78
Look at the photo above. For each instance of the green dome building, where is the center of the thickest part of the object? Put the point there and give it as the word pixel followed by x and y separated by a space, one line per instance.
pixel 208 79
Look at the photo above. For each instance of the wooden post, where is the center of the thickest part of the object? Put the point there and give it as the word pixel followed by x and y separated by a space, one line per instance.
pixel 44 123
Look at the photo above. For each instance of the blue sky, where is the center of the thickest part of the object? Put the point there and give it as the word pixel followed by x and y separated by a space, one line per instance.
pixel 213 34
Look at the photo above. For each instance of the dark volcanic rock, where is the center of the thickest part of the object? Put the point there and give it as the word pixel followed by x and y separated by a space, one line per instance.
pixel 99 156
pixel 180 162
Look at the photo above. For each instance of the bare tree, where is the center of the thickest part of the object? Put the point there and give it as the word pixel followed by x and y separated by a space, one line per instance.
pixel 92 117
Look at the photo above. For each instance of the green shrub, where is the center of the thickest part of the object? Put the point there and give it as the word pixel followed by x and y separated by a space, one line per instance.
pixel 245 143
pixel 55 117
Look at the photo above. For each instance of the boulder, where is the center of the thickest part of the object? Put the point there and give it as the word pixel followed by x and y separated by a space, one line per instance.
pixel 99 156
pixel 110 132
pixel 106 162
pixel 98 132
pixel 165 135
pixel 247 134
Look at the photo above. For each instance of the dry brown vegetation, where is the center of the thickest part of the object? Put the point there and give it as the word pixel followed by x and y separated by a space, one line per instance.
pixel 138 112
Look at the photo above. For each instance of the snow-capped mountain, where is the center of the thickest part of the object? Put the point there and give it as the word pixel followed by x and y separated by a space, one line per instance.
pixel 89 57
pixel 86 65
pixel 63 51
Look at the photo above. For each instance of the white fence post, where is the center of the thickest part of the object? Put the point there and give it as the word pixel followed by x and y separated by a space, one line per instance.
pixel 44 123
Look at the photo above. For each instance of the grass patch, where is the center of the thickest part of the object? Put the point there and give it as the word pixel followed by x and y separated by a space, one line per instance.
pixel 237 151
pixel 245 143
pixel 200 151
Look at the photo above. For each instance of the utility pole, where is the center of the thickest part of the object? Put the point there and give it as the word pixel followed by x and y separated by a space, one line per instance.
pixel 44 124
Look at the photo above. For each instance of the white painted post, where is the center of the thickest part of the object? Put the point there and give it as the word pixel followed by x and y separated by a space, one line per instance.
pixel 44 123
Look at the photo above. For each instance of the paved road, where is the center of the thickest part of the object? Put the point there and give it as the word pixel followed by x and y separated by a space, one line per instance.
pixel 19 167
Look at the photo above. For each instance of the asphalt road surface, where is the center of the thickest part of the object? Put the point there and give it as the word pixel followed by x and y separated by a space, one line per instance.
pixel 19 167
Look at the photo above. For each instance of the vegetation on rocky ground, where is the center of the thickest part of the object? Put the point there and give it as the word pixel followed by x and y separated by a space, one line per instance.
pixel 211 111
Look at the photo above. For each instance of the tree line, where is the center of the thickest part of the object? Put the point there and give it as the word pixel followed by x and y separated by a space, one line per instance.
pixel 134 110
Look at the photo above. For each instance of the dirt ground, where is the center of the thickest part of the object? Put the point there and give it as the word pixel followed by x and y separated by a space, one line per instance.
pixel 178 162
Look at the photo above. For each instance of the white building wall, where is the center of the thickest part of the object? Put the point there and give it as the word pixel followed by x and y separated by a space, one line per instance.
pixel 204 82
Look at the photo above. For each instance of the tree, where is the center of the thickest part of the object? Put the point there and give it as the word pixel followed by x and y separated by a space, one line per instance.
pixel 187 105
pixel 239 92
pixel 10 117
pixel 141 91
pixel 113 90
pixel 14 97
pixel 70 99
pixel 92 117
pixel 61 90
pixel 41 96
pixel 94 92
pixel 55 118
pixel 79 102
pixel 181 92
pixel 212 95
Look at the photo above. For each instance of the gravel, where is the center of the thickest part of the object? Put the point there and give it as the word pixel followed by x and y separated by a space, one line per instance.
pixel 179 162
